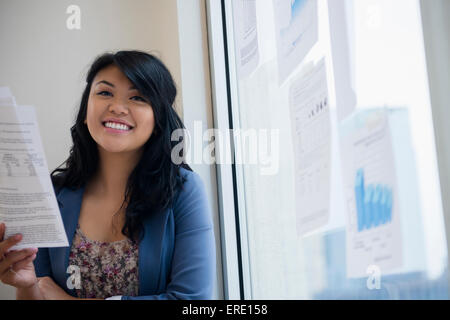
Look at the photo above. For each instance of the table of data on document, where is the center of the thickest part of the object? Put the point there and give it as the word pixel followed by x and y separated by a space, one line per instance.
pixel 21 164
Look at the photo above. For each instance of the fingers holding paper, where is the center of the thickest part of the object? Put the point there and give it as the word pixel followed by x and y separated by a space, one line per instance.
pixel 16 266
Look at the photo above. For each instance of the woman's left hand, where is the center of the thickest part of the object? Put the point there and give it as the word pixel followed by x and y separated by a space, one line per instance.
pixel 51 291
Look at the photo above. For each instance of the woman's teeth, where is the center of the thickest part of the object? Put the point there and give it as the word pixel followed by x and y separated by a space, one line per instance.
pixel 117 126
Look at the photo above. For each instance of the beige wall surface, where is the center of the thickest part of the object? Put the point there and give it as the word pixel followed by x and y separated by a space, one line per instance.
pixel 45 64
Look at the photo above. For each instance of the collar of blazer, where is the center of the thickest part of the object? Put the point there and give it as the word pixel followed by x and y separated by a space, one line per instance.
pixel 151 249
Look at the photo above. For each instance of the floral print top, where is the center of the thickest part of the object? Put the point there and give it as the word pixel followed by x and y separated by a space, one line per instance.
pixel 106 268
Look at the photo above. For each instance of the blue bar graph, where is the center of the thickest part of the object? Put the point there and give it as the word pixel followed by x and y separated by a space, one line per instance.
pixel 373 203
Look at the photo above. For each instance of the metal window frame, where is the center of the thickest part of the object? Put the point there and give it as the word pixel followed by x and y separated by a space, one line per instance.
pixel 435 16
pixel 229 176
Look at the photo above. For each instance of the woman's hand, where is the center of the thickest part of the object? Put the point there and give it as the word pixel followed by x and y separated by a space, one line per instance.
pixel 16 266
pixel 51 291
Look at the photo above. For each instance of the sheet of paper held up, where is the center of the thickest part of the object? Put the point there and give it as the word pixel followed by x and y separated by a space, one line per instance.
pixel 374 235
pixel 311 129
pixel 6 98
pixel 27 200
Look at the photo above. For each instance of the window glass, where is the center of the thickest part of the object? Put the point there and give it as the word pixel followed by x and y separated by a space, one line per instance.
pixel 338 187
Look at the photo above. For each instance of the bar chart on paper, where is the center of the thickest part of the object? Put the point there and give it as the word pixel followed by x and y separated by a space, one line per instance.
pixel 373 203
pixel 374 225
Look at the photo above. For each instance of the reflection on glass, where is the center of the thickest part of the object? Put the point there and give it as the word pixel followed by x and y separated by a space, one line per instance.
pixel 386 71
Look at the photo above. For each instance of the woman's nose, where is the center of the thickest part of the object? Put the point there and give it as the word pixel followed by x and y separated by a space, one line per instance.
pixel 118 107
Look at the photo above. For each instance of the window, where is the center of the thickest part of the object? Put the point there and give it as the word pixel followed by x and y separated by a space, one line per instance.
pixel 335 170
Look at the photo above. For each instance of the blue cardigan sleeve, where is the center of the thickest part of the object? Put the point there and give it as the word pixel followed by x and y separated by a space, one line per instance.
pixel 193 266
pixel 42 263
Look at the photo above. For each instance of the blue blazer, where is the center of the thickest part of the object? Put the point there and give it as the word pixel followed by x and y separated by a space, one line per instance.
pixel 177 258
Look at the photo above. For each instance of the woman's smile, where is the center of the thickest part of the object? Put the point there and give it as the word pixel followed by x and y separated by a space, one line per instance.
pixel 115 127
pixel 117 131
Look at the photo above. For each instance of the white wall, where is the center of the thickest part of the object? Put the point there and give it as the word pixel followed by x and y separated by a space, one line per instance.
pixel 45 64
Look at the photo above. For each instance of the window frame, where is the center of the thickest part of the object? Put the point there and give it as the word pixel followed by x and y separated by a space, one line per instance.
pixel 235 253
pixel 236 274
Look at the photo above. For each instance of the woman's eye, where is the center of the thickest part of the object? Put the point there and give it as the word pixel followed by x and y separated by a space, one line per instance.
pixel 104 93
pixel 139 98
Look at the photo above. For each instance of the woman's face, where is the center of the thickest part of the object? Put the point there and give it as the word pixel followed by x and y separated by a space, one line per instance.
pixel 118 117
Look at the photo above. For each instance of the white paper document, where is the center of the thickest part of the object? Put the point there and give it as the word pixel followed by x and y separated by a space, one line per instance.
pixel 296 31
pixel 6 97
pixel 311 129
pixel 27 200
pixel 374 235
pixel 247 51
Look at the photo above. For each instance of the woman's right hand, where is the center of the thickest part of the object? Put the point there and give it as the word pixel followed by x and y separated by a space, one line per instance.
pixel 16 266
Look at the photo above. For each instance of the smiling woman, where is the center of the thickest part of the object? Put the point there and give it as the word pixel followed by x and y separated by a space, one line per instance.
pixel 138 225
pixel 117 107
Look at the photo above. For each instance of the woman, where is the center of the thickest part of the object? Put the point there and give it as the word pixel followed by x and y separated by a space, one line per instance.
pixel 138 224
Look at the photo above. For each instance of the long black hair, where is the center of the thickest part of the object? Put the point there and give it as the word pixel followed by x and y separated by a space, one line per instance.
pixel 153 183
